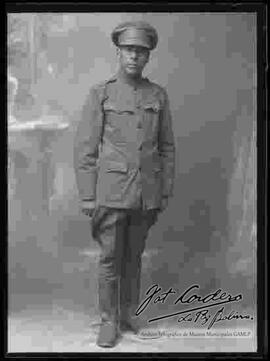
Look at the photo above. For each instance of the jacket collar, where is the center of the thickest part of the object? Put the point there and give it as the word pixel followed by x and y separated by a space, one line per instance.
pixel 121 78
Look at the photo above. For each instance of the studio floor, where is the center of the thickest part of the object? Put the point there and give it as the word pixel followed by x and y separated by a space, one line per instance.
pixel 58 313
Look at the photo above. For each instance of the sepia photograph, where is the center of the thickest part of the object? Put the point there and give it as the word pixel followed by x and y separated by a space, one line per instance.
pixel 132 182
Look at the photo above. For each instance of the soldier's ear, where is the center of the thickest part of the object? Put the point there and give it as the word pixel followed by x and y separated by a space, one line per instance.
pixel 148 56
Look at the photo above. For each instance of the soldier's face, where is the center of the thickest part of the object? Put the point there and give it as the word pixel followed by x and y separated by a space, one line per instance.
pixel 133 58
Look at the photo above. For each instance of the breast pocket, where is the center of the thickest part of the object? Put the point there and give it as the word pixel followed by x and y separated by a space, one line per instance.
pixel 151 112
pixel 118 121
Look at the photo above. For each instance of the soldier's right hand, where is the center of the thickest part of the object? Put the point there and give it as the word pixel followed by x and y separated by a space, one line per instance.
pixel 88 208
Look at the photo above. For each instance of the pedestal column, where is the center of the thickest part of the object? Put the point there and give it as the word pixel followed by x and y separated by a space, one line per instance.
pixel 31 170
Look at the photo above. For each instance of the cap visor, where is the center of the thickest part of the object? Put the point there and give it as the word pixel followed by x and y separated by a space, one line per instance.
pixel 135 42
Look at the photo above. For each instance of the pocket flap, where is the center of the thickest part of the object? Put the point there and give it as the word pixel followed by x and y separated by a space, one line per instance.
pixel 110 106
pixel 118 108
pixel 154 106
pixel 114 166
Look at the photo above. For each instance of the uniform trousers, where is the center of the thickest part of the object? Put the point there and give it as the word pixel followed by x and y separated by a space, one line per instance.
pixel 121 235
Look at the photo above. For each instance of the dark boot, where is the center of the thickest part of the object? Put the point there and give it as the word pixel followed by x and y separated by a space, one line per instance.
pixel 108 334
pixel 129 326
pixel 108 302
pixel 109 225
pixel 129 297
pixel 139 223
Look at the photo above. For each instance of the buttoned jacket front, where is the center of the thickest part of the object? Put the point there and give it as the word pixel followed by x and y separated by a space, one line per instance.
pixel 124 149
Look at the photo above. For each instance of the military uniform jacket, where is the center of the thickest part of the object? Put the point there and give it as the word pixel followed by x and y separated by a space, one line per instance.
pixel 124 149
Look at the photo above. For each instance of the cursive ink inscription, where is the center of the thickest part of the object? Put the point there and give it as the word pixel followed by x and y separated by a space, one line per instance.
pixel 161 298
pixel 187 297
pixel 204 317
pixel 201 304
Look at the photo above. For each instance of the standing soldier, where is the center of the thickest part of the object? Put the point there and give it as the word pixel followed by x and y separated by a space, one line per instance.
pixel 124 163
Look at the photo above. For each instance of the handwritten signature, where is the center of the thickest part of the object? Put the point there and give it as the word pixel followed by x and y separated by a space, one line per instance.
pixel 216 298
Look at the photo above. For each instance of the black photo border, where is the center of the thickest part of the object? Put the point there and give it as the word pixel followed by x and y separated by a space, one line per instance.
pixel 261 10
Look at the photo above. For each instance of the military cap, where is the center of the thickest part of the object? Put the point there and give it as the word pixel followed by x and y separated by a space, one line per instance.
pixel 135 33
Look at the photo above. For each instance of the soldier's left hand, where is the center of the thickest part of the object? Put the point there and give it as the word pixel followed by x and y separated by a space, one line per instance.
pixel 88 208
